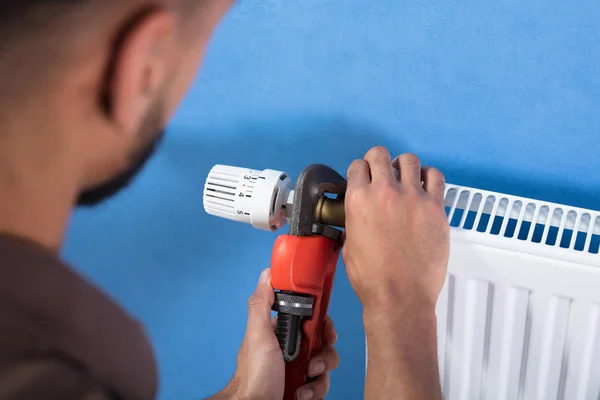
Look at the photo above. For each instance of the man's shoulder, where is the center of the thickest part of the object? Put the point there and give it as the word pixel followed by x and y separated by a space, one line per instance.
pixel 49 377
pixel 48 309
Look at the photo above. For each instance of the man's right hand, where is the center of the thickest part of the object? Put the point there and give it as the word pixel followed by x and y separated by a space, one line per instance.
pixel 396 248
pixel 396 254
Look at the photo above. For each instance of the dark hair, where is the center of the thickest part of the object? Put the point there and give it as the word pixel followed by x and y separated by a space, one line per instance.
pixel 35 37
pixel 19 17
pixel 33 41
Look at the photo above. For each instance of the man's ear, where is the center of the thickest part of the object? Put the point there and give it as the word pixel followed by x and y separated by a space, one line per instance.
pixel 141 65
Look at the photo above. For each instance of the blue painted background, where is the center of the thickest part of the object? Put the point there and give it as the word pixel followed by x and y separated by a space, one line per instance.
pixel 501 95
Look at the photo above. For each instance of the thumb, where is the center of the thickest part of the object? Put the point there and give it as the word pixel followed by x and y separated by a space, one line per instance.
pixel 259 308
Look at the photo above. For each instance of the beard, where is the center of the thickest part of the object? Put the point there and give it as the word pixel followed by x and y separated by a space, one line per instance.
pixel 152 132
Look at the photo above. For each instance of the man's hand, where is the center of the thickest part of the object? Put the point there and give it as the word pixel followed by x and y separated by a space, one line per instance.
pixel 396 247
pixel 396 254
pixel 260 372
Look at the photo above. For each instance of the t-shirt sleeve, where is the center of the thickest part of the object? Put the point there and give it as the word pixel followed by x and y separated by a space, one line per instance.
pixel 48 378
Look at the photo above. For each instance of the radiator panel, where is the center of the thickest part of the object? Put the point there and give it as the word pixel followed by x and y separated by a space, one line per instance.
pixel 519 314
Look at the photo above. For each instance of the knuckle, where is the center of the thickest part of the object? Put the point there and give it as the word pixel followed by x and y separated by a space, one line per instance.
pixel 404 190
pixel 354 165
pixel 414 199
pixel 254 300
pixel 437 175
pixel 437 205
pixel 329 321
pixel 432 206
pixel 409 189
pixel 319 386
pixel 323 385
pixel 389 202
pixel 355 198
pixel 345 252
pixel 409 159
pixel 387 191
pixel 333 360
pixel 377 152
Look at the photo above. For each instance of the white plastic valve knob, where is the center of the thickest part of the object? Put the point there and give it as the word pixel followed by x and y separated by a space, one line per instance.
pixel 246 195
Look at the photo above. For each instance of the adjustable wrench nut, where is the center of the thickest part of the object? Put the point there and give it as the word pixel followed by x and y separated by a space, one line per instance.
pixel 292 309
pixel 293 304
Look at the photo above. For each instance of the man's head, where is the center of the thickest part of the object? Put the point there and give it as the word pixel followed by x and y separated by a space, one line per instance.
pixel 100 77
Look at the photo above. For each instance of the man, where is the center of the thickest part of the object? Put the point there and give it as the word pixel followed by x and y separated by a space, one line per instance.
pixel 86 87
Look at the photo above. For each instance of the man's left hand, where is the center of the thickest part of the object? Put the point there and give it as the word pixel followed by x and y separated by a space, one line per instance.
pixel 260 372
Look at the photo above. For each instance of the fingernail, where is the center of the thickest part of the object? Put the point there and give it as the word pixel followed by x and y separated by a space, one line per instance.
pixel 316 368
pixel 265 276
pixel 305 394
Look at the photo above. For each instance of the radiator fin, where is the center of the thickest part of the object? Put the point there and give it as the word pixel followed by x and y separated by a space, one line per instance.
pixel 516 218
pixel 500 342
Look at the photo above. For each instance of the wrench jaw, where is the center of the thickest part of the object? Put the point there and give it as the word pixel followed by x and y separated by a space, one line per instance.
pixel 314 181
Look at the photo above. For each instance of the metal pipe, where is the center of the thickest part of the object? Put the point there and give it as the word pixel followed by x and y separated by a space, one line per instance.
pixel 330 212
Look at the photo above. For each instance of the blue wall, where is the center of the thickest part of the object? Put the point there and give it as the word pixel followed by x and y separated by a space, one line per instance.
pixel 500 95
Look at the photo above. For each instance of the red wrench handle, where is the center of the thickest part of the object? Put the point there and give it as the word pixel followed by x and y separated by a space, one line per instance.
pixel 305 265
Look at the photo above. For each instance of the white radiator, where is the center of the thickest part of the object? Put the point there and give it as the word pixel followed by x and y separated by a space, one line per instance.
pixel 519 315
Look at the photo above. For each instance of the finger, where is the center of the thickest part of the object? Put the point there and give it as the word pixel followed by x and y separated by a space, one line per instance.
pixel 273 322
pixel 380 163
pixel 326 361
pixel 434 183
pixel 259 308
pixel 358 174
pixel 315 390
pixel 329 333
pixel 409 166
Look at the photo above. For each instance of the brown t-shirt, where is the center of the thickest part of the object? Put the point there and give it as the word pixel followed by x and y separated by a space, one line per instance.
pixel 61 338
